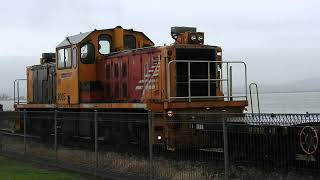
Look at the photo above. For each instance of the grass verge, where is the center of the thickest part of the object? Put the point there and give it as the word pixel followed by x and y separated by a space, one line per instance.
pixel 14 170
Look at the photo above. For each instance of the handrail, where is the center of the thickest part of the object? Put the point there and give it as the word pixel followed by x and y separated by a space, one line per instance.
pixel 16 89
pixel 209 79
pixel 258 101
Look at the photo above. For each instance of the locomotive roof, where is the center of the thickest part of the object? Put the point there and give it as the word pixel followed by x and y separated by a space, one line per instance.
pixel 75 39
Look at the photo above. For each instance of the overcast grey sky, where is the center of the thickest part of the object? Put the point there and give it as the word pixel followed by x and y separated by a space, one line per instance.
pixel 278 39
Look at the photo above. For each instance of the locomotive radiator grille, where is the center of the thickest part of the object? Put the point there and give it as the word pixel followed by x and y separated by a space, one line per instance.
pixel 198 73
pixel 197 76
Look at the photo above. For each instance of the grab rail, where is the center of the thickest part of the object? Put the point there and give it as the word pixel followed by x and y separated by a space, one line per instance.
pixel 258 101
pixel 16 89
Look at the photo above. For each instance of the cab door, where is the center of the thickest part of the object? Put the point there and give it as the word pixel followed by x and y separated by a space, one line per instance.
pixel 67 91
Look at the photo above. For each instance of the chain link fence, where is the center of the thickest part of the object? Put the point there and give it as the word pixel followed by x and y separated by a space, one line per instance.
pixel 204 145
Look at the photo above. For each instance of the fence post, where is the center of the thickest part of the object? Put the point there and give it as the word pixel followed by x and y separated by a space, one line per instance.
pixel 24 131
pixel 55 134
pixel 225 146
pixel 150 117
pixel 96 139
pixel 18 92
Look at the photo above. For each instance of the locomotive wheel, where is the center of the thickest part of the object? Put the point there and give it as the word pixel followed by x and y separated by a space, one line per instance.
pixel 309 140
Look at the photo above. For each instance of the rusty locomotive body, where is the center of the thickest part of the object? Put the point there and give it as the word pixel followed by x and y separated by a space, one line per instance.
pixel 120 70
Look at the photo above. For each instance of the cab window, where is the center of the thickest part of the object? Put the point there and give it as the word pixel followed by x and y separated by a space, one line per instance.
pixel 64 58
pixel 87 53
pixel 129 42
pixel 68 60
pixel 61 58
pixel 74 57
pixel 104 44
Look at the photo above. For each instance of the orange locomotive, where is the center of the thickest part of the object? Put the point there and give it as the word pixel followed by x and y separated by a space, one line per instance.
pixel 120 70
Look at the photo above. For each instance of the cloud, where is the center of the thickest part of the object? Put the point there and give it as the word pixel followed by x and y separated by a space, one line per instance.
pixel 271 35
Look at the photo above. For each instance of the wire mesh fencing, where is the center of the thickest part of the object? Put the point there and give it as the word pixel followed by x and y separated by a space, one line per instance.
pixel 168 146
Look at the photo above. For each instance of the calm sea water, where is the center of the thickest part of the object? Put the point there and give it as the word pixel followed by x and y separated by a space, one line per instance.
pixel 269 103
pixel 300 102
pixel 7 105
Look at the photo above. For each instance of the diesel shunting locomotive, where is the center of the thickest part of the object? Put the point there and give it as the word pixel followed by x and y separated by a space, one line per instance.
pixel 121 70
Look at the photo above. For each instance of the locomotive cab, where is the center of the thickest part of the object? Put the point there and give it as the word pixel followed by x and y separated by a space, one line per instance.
pixel 77 58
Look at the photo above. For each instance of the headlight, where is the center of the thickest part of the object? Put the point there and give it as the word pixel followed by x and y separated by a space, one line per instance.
pixel 170 113
pixel 159 137
pixel 193 37
pixel 200 37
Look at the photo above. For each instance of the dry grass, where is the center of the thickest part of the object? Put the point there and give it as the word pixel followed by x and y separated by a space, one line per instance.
pixel 118 162
pixel 138 165
pixel 188 170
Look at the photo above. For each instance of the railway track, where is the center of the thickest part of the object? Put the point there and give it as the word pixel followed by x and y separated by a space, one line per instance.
pixel 13 134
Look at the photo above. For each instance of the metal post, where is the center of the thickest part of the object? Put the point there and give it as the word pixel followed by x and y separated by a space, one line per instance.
pixel 251 104
pixel 225 146
pixel 55 135
pixel 168 78
pixel 209 79
pixel 150 117
pixel 14 92
pixel 258 101
pixel 228 97
pixel 18 92
pixel 24 131
pixel 189 82
pixel 246 79
pixel 96 138
pixel 231 98
pixel 221 77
